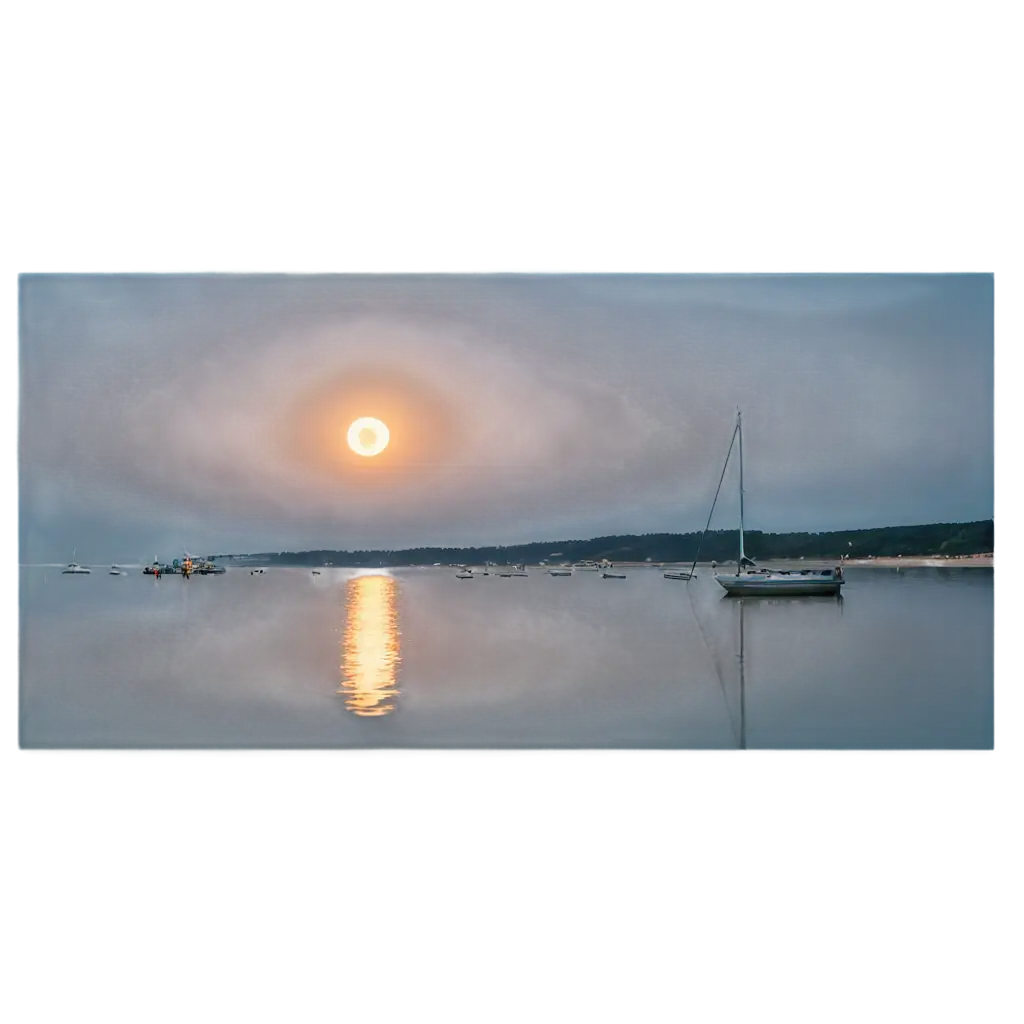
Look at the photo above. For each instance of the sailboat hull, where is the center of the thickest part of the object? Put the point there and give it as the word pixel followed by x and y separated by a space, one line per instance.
pixel 754 584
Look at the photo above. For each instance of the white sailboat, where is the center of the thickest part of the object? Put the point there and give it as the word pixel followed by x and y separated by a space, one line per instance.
pixel 749 580
pixel 74 569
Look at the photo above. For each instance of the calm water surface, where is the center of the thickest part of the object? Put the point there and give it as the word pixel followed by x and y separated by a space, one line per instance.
pixel 418 658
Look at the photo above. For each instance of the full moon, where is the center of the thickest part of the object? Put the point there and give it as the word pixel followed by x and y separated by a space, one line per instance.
pixel 368 436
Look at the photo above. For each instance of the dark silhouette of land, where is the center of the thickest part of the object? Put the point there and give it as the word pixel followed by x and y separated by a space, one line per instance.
pixel 952 539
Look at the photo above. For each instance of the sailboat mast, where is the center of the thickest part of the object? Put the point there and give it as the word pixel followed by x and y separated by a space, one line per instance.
pixel 739 430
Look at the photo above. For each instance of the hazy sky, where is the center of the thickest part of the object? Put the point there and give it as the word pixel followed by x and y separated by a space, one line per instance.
pixel 207 413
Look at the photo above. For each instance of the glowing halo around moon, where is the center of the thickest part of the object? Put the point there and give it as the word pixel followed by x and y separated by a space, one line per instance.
pixel 368 436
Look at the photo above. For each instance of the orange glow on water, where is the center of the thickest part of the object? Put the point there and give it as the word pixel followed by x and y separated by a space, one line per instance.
pixel 371 648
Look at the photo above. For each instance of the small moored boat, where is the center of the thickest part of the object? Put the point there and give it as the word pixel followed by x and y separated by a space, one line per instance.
pixel 74 569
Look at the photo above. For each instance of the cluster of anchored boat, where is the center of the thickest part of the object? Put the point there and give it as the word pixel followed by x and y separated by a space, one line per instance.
pixel 467 573
pixel 185 568
pixel 750 581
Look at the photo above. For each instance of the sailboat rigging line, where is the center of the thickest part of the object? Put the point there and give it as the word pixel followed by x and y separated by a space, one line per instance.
pixel 740 740
pixel 717 492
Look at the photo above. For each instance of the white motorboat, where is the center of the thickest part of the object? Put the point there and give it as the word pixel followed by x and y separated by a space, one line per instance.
pixel 115 571
pixel 75 569
pixel 749 580
pixel 464 575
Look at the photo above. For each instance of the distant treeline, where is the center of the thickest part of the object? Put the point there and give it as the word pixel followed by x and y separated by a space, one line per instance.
pixel 720 545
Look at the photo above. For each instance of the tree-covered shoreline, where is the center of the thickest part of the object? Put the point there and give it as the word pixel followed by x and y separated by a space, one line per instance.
pixel 720 545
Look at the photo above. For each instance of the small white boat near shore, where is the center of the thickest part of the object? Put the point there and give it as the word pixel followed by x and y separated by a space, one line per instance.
pixel 74 568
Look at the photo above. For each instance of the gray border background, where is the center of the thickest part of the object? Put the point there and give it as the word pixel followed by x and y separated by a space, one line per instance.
pixel 504 892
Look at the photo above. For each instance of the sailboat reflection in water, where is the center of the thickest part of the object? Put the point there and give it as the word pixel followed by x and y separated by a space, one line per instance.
pixel 370 649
